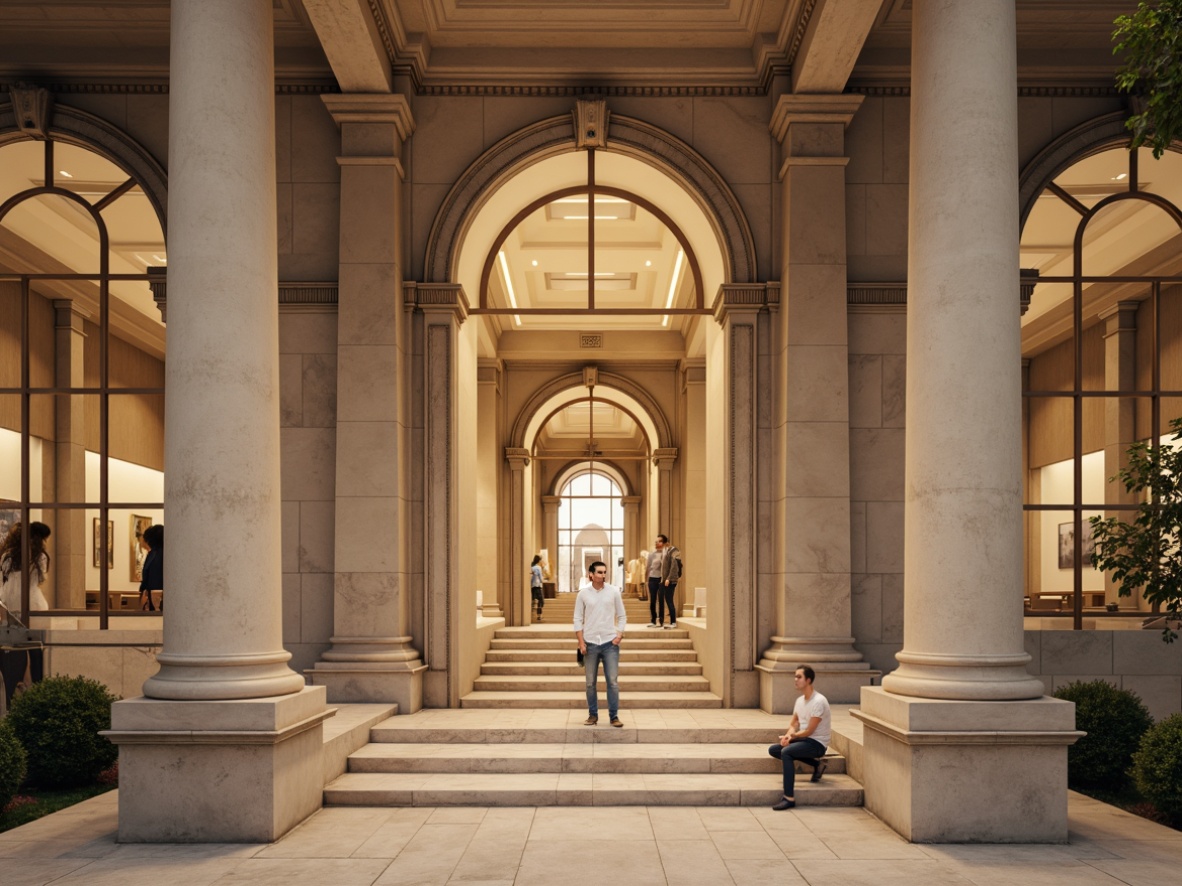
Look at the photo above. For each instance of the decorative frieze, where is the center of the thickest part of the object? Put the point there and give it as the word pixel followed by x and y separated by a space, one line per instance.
pixel 319 295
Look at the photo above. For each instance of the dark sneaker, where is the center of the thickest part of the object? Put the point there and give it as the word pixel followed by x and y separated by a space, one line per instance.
pixel 822 765
pixel 617 722
pixel 784 803
pixel 591 721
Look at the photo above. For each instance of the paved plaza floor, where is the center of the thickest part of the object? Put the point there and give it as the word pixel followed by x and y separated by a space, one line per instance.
pixel 623 845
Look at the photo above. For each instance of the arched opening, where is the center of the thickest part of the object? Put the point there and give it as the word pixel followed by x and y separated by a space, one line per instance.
pixel 590 275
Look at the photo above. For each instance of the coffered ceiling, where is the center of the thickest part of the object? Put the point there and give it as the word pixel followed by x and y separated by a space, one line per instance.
pixel 453 44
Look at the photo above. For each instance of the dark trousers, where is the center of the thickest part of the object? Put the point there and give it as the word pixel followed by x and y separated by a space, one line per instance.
pixel 807 750
pixel 666 602
pixel 654 598
pixel 538 597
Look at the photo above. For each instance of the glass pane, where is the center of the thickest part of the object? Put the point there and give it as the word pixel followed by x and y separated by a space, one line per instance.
pixel 10 335
pixel 10 448
pixel 58 226
pixel 136 435
pixel 134 366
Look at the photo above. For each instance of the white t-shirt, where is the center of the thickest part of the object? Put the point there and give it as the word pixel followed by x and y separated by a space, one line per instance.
pixel 817 706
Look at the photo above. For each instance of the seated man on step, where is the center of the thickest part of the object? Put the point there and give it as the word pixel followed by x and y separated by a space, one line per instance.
pixel 805 744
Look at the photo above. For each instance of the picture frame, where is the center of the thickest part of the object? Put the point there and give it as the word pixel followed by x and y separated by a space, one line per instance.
pixel 10 512
pixel 138 550
pixel 98 543
pixel 1067 545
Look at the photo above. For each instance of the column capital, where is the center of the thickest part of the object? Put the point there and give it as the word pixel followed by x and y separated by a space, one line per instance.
pixel 372 107
pixel 791 110
pixel 631 500
pixel 517 456
pixel 67 314
pixel 739 298
pixel 1121 317
pixel 551 500
pixel 435 298
pixel 664 458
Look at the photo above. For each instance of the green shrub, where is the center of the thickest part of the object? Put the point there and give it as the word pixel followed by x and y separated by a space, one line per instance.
pixel 13 764
pixel 1114 720
pixel 58 720
pixel 1157 767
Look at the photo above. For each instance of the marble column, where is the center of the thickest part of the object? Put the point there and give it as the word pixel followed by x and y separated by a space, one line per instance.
pixel 550 505
pixel 632 536
pixel 935 733
pixel 227 744
pixel 373 657
pixel 732 448
pixel 515 604
pixel 809 525
pixel 488 524
pixel 68 587
pixel 1120 427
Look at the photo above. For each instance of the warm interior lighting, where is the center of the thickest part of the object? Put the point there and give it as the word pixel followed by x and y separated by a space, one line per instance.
pixel 673 284
pixel 64 174
pixel 509 285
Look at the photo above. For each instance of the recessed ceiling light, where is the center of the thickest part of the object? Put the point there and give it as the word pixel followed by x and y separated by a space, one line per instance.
pixel 648 264
pixel 1121 177
pixel 534 262
pixel 64 174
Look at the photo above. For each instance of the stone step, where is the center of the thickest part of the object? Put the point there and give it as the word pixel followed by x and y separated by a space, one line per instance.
pixel 556 655
pixel 580 789
pixel 697 757
pixel 558 683
pixel 561 667
pixel 566 632
pixel 660 640
pixel 578 699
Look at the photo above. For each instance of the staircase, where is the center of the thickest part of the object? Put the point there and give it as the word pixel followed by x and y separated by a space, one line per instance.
pixel 535 666
pixel 546 757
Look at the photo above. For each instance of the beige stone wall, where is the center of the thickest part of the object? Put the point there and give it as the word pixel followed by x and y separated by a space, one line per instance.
pixel 308 395
pixel 877 142
pixel 877 361
pixel 1130 659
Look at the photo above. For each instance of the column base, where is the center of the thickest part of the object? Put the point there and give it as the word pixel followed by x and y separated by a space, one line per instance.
pixel 231 771
pixel 840 685
pixel 356 682
pixel 841 672
pixel 942 771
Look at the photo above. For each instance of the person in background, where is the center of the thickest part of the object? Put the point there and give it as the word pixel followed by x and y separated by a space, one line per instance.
pixel 153 571
pixel 535 585
pixel 10 568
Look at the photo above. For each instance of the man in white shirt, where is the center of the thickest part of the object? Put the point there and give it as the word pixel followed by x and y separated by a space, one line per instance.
pixel 805 743
pixel 599 627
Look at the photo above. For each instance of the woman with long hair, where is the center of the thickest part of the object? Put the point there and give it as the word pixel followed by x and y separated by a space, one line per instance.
pixel 10 568
pixel 153 573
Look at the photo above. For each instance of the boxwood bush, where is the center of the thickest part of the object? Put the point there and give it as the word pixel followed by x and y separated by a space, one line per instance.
pixel 13 764
pixel 1114 720
pixel 1157 767
pixel 58 720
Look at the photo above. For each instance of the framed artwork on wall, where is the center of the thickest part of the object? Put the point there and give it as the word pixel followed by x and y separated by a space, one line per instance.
pixel 10 513
pixel 98 544
pixel 1067 545
pixel 138 549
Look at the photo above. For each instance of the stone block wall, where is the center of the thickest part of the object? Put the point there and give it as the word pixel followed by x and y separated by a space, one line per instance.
pixel 1136 660
pixel 877 367
pixel 308 394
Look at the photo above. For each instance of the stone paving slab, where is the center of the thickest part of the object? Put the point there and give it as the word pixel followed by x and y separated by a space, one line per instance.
pixel 676 846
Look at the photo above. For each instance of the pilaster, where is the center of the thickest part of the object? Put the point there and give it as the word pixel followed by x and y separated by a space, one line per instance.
pixel 373 657
pixel 805 488
pixel 68 579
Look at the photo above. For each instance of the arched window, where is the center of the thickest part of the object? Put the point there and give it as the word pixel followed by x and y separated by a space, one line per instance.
pixel 590 527
pixel 81 369
pixel 1099 343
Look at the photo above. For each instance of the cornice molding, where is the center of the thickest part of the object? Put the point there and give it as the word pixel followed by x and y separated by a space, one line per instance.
pixel 160 88
pixel 291 295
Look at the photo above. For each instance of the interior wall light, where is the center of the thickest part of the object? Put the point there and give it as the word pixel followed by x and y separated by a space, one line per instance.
pixel 509 285
pixel 673 284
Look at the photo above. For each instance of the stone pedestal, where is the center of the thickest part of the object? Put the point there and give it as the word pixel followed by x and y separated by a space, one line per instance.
pixel 239 771
pixel 942 771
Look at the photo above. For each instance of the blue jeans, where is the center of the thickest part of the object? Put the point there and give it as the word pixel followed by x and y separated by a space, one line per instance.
pixel 609 654
pixel 806 750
